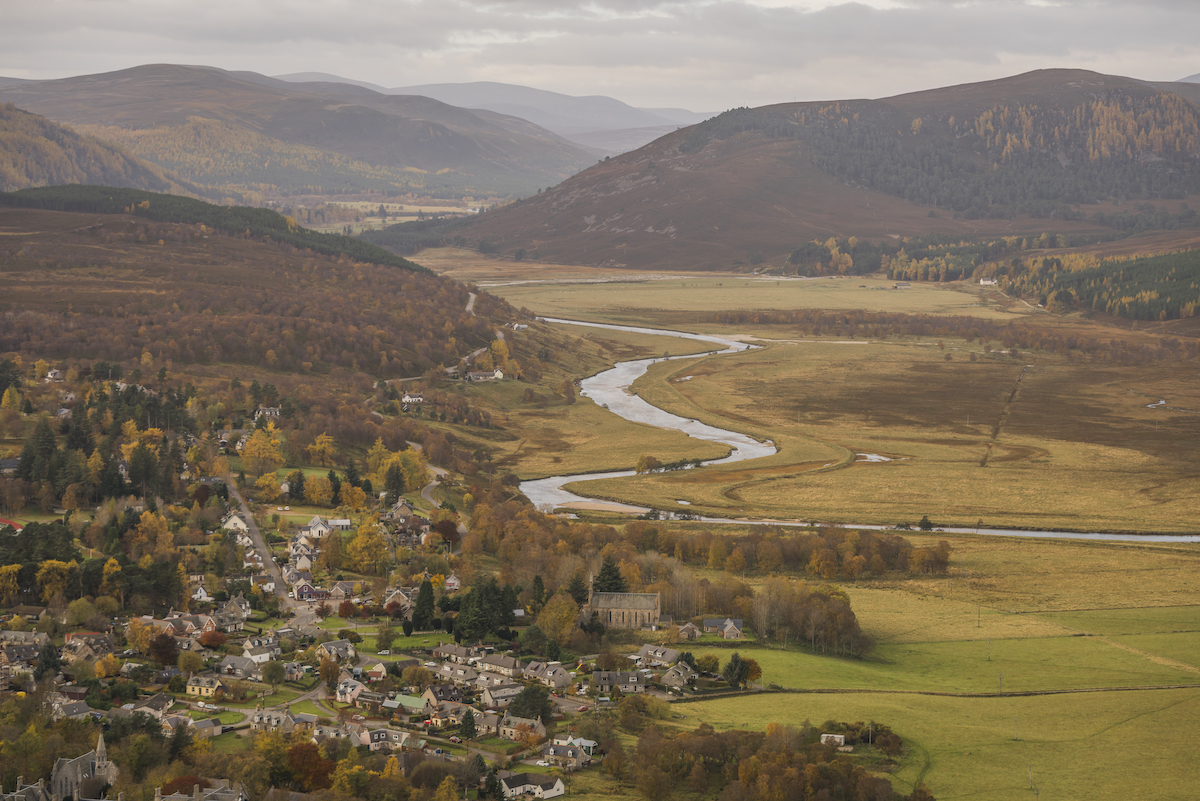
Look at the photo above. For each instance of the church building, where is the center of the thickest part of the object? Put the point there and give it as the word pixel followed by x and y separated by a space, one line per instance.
pixel 70 774
pixel 625 610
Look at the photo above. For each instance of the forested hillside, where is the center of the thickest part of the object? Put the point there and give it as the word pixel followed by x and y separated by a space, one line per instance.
pixel 1066 153
pixel 240 160
pixel 121 287
pixel 257 222
pixel 995 161
pixel 1165 287
pixel 37 152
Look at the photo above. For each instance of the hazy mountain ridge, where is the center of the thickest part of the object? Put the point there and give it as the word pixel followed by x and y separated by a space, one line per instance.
pixel 406 143
pixel 1020 155
pixel 582 119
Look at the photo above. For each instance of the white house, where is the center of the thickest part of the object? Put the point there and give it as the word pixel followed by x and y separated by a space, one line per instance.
pixel 235 523
pixel 537 785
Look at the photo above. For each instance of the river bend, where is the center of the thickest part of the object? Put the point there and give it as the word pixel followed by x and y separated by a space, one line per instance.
pixel 611 389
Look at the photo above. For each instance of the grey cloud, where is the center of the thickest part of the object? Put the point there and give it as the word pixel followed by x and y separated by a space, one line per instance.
pixel 705 55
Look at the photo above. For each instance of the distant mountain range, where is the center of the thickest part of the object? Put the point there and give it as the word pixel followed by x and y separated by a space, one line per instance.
pixel 1023 155
pixel 250 135
pixel 595 120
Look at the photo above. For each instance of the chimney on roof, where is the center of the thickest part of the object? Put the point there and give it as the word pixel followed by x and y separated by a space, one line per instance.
pixel 196 792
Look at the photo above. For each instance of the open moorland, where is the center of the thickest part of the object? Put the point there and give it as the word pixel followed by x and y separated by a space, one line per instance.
pixel 885 432
pixel 969 429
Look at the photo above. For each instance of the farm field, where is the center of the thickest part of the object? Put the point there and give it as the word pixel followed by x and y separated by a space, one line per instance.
pixel 932 640
pixel 1078 745
pixel 1016 665
pixel 636 301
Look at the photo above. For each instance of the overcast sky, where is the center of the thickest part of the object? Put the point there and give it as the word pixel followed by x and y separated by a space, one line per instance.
pixel 696 54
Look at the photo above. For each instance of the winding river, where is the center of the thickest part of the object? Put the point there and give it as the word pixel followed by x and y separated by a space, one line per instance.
pixel 610 389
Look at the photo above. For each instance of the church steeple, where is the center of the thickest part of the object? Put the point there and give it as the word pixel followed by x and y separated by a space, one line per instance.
pixel 101 751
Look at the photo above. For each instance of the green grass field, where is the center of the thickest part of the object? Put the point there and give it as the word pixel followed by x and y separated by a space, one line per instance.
pixel 1017 665
pixel 1053 615
pixel 230 743
pixel 308 708
pixel 1112 745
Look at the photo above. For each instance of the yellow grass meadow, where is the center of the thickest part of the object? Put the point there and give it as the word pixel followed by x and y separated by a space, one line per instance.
pixel 1009 442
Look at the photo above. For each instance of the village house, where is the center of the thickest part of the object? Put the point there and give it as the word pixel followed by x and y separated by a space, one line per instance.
pixel 551 674
pixel 486 680
pixel 305 591
pixel 173 721
pixel 679 676
pixel 69 709
pixel 339 650
pixel 281 720
pixel 221 790
pixel 689 631
pixel 155 706
pixel 88 646
pixel 655 656
pixel 204 686
pixel 239 667
pixel 439 693
pixel 24 637
pixel 504 665
pixel 589 747
pixel 264 582
pixel 568 757
pixel 371 702
pixel 269 412
pixel 536 785
pixel 348 690
pixel 209 727
pixel 453 653
pixel 605 681
pixel 262 654
pixel 316 528
pixel 500 697
pixel 17 657
pixel 459 674
pixel 511 727
pixel 235 523
pixel 724 627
